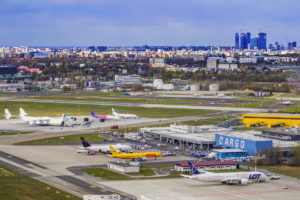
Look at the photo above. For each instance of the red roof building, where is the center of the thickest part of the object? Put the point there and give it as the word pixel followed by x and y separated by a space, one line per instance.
pixel 212 165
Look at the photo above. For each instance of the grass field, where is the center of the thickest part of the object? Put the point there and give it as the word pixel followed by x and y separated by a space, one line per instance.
pixel 124 99
pixel 14 133
pixel 251 128
pixel 57 109
pixel 15 186
pixel 107 174
pixel 91 137
pixel 291 109
pixel 210 121
pixel 248 105
pixel 285 170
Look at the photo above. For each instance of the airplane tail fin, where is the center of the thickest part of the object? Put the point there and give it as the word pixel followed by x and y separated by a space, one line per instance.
pixel 7 114
pixel 113 150
pixel 92 113
pixel 64 118
pixel 193 169
pixel 113 111
pixel 84 142
pixel 22 112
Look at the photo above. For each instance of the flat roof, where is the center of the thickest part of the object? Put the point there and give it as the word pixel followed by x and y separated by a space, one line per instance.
pixel 273 114
pixel 211 163
pixel 229 150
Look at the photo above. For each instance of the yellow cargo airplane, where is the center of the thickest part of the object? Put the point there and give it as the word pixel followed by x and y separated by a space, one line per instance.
pixel 116 154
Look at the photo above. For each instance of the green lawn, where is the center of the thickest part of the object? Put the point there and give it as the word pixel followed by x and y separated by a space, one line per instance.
pixel 291 109
pixel 248 105
pixel 119 99
pixel 106 174
pixel 15 186
pixel 285 170
pixel 57 109
pixel 14 133
pixel 251 128
pixel 91 137
pixel 210 121
pixel 144 172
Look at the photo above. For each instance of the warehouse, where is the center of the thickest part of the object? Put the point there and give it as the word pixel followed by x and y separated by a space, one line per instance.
pixel 250 143
pixel 206 166
pixel 286 135
pixel 270 120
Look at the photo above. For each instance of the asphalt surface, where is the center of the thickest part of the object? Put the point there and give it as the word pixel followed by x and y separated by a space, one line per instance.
pixel 26 167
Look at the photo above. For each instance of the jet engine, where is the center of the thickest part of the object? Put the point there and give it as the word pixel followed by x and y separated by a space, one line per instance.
pixel 244 181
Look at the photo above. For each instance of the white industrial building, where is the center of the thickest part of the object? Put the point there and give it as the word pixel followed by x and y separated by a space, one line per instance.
pixel 125 167
pixel 127 80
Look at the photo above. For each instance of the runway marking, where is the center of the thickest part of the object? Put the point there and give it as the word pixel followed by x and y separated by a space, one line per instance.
pixel 93 186
pixel 248 193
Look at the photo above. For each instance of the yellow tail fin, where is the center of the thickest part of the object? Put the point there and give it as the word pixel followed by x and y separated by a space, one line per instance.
pixel 113 150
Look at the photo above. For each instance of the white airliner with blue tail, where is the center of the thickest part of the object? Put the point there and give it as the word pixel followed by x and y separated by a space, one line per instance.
pixel 231 178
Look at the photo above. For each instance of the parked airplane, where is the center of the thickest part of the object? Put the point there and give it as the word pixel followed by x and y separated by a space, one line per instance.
pixel 287 103
pixel 138 156
pixel 124 116
pixel 105 117
pixel 227 178
pixel 42 121
pixel 98 116
pixel 87 147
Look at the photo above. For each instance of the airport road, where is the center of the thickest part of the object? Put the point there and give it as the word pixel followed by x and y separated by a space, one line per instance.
pixel 143 105
pixel 49 131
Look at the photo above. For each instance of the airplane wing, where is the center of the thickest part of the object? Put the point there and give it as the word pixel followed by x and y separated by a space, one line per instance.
pixel 188 176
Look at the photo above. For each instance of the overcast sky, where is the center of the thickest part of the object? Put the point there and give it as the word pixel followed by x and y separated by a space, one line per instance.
pixel 138 22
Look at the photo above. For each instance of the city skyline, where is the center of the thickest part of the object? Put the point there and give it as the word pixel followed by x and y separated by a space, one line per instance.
pixel 114 23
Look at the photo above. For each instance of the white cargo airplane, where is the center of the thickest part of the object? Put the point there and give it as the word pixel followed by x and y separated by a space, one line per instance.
pixel 40 121
pixel 226 178
pixel 87 147
pixel 124 116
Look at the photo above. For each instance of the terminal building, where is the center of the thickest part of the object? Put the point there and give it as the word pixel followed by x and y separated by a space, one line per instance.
pixel 270 120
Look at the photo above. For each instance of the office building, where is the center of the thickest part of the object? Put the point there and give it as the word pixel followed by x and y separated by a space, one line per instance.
pixel 244 43
pixel 254 43
pixel 237 41
pixel 248 36
pixel 262 41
